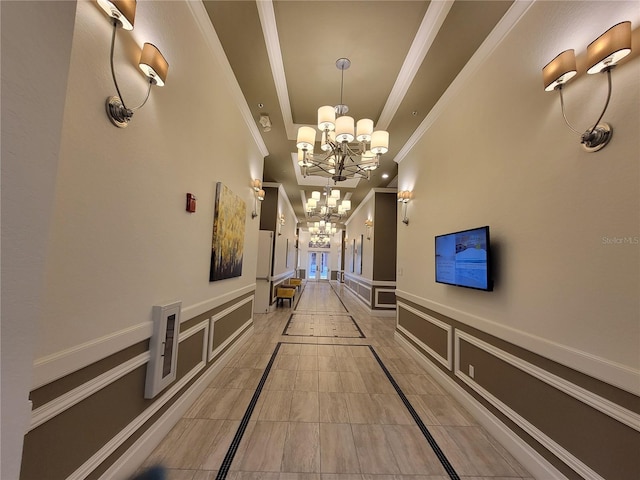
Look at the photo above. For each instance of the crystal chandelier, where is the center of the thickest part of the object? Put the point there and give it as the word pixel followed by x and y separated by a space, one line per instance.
pixel 348 149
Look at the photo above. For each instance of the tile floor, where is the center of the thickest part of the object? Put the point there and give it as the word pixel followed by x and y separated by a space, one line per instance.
pixel 327 410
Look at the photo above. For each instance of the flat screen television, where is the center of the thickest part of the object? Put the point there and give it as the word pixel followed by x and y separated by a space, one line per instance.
pixel 463 259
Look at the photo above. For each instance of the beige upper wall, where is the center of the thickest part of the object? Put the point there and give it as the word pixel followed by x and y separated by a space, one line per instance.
pixel 285 239
pixel 121 240
pixel 500 155
pixel 355 229
pixel 32 111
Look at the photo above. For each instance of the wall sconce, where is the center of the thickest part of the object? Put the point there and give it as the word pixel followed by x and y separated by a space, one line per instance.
pixel 369 224
pixel 258 195
pixel 152 63
pixel 280 223
pixel 265 121
pixel 602 56
pixel 404 197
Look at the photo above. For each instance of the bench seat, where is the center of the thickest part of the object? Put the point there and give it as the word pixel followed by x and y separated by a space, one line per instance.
pixel 285 293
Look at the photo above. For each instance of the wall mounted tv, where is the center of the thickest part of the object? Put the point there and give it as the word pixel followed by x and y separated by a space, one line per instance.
pixel 463 259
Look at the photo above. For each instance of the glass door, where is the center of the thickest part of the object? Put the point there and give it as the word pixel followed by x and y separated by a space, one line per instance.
pixel 324 266
pixel 318 266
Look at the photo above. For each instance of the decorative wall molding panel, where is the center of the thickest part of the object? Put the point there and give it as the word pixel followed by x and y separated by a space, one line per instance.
pixel 129 462
pixel 53 367
pixel 613 410
pixel 538 435
pixel 491 371
pixel 376 295
pixel 605 370
pixel 213 352
pixel 535 463
pixel 49 410
pixel 101 455
pixel 446 362
pixel 60 364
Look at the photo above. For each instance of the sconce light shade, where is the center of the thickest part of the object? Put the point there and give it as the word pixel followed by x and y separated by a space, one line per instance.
pixel 256 184
pixel 559 70
pixel 124 11
pixel 609 48
pixel 153 64
pixel 260 195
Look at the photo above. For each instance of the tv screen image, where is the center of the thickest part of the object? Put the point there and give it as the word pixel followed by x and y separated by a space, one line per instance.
pixel 463 259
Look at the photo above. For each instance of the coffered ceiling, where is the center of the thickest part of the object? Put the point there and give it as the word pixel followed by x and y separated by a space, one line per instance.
pixel 404 55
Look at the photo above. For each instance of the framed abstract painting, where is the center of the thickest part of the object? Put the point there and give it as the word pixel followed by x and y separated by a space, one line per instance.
pixel 227 241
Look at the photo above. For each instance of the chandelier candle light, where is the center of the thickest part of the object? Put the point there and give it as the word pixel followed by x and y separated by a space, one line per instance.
pixel 349 149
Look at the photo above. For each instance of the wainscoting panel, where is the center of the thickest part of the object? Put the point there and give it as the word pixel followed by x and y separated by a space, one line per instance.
pixel 376 295
pixel 432 335
pixel 584 427
pixel 82 421
pixel 384 297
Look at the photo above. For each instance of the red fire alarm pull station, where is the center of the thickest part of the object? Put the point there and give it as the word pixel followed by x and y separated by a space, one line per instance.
pixel 191 203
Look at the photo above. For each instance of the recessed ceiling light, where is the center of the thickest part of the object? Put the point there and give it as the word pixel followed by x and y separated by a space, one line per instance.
pixel 385 175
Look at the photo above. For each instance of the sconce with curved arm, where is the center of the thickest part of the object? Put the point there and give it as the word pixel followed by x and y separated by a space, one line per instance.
pixel 602 55
pixel 369 224
pixel 258 195
pixel 404 197
pixel 152 63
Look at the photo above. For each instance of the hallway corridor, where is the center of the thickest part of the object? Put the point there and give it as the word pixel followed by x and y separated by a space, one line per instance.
pixel 323 392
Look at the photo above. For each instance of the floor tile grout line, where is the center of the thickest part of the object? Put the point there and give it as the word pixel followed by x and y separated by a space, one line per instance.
pixel 235 443
pixel 423 428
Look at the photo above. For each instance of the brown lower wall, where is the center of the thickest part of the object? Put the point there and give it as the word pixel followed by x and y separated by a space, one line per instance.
pixel 367 292
pixel 58 447
pixel 601 442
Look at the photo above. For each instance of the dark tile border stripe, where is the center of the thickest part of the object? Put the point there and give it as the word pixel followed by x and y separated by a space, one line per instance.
pixel 315 312
pixel 286 327
pixel 339 297
pixel 235 443
pixel 423 428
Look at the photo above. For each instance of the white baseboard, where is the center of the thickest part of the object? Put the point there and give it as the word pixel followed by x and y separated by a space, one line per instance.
pixel 535 463
pixel 131 460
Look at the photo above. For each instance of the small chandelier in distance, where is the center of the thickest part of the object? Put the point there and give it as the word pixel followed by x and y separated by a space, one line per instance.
pixel 329 210
pixel 341 157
